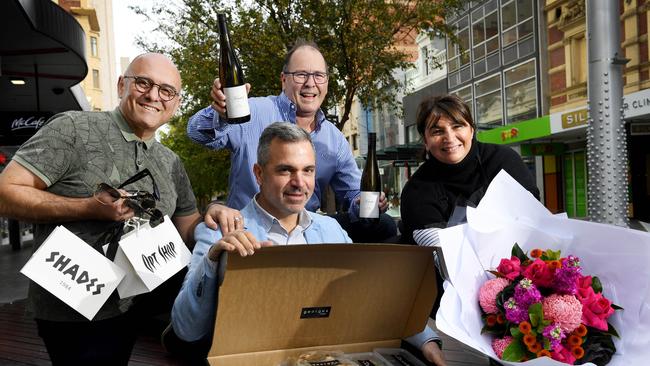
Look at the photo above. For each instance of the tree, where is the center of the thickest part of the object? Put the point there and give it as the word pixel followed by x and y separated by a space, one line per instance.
pixel 207 169
pixel 358 39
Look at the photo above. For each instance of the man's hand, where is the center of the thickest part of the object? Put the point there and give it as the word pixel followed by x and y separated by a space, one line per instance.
pixel 106 209
pixel 224 218
pixel 383 203
pixel 432 353
pixel 219 98
pixel 237 241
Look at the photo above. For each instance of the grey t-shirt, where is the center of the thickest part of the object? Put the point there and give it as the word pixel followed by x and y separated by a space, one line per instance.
pixel 72 154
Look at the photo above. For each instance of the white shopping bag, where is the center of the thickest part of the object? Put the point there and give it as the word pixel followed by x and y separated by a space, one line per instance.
pixel 155 254
pixel 73 271
pixel 618 256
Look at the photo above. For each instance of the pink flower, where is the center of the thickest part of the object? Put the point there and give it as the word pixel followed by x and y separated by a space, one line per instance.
pixel 500 344
pixel 563 355
pixel 487 294
pixel 584 289
pixel 540 273
pixel 510 268
pixel 565 310
pixel 595 311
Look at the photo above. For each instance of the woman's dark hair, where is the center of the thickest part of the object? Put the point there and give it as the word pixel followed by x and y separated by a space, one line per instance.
pixel 434 107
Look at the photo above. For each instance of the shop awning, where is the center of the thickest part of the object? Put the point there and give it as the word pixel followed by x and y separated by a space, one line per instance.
pixel 42 60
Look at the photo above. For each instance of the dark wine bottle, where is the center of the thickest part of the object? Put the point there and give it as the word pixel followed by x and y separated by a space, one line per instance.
pixel 232 78
pixel 370 182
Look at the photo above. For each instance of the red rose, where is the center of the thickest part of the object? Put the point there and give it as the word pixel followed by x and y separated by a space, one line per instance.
pixel 509 268
pixel 585 291
pixel 595 311
pixel 540 273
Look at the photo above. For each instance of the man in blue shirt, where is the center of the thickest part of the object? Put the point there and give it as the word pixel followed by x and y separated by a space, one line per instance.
pixel 285 171
pixel 304 87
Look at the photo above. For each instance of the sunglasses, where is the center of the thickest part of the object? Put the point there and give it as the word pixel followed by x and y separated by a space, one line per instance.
pixel 142 202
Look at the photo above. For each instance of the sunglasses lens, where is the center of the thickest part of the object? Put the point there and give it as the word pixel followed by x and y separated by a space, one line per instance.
pixel 156 218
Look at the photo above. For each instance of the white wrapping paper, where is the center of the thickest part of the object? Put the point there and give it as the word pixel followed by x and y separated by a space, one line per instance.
pixel 509 214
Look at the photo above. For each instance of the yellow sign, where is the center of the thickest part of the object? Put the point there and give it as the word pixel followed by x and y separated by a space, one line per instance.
pixel 575 118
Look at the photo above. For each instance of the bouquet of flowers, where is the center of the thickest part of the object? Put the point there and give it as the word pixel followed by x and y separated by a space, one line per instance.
pixel 542 305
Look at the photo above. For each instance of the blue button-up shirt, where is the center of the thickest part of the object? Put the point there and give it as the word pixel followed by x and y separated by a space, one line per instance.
pixel 335 164
pixel 193 313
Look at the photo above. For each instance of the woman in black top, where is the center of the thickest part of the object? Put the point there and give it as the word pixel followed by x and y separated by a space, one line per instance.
pixel 457 169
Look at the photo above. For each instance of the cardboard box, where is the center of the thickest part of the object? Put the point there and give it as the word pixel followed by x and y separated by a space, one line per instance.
pixel 287 300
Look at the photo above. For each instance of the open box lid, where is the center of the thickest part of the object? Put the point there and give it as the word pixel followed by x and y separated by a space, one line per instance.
pixel 300 296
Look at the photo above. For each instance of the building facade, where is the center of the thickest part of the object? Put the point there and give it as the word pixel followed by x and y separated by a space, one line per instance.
pixel 96 19
pixel 568 75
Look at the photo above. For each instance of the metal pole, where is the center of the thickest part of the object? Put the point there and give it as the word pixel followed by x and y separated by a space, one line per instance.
pixel 606 138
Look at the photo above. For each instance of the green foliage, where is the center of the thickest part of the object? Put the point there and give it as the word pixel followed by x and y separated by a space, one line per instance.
pixel 207 169
pixel 515 351
pixel 517 252
pixel 599 348
pixel 550 255
pixel 596 285
pixel 536 314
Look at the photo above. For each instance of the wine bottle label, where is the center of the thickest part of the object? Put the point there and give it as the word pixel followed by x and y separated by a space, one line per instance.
pixel 369 205
pixel 236 101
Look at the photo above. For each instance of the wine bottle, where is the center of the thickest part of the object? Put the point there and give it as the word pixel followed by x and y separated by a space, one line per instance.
pixel 232 78
pixel 370 182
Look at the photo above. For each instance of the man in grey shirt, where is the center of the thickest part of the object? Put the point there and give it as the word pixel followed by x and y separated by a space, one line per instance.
pixel 54 178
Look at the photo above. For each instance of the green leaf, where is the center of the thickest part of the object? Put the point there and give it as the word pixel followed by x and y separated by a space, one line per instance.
pixel 514 352
pixel 536 314
pixel 596 285
pixel 550 255
pixel 517 252
pixel 496 273
pixel 611 330
pixel 515 332
pixel 616 307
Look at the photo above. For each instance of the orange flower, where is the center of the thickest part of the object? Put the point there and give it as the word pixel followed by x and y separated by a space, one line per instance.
pixel 555 264
pixel 536 253
pixel 543 353
pixel 501 319
pixel 529 340
pixel 577 352
pixel 574 340
pixel 525 327
pixel 536 347
pixel 491 320
pixel 581 331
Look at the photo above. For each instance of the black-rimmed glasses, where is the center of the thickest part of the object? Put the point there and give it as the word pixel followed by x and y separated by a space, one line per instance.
pixel 143 85
pixel 301 77
pixel 142 202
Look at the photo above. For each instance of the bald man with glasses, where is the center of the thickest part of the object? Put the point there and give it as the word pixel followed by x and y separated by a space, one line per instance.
pixel 66 174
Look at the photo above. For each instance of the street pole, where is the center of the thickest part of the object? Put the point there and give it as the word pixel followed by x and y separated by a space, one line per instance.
pixel 607 165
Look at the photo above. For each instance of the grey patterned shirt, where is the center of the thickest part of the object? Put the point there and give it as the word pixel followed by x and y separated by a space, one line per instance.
pixel 74 152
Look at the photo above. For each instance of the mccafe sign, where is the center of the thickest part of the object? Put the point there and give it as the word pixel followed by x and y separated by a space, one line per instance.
pixel 18 127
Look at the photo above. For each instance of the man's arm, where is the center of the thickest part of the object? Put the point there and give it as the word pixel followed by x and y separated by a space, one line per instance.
pixel 185 226
pixel 196 303
pixel 23 197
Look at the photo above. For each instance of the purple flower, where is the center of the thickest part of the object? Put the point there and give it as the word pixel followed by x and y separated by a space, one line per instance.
pixel 514 312
pixel 526 294
pixel 555 335
pixel 566 276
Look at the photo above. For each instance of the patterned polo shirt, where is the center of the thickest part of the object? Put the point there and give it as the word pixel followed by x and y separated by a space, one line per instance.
pixel 74 152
